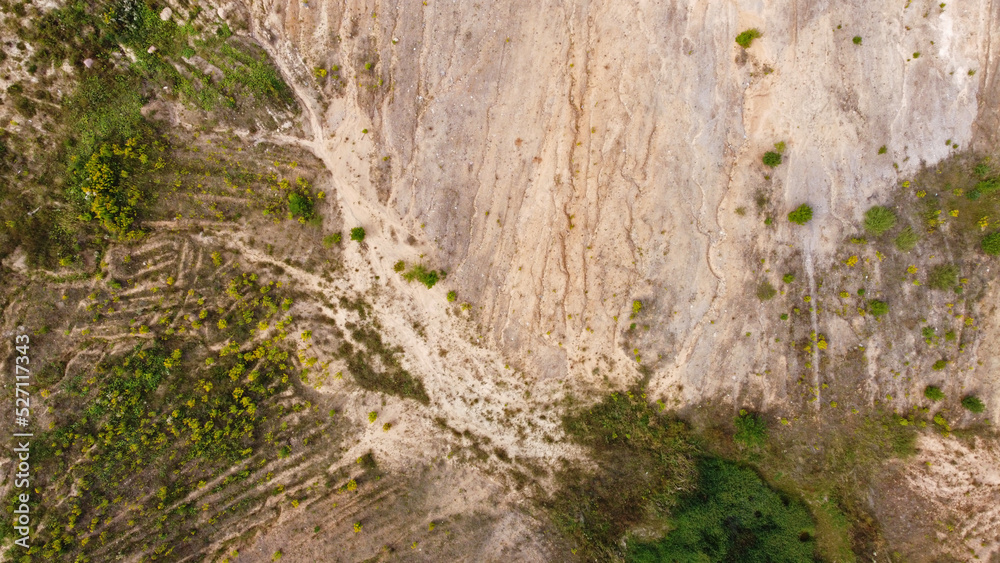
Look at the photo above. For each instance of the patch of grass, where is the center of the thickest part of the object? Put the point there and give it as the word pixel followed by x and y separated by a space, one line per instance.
pixel 907 239
pixel 877 308
pixel 788 278
pixel 391 378
pixel 745 39
pixel 766 291
pixel 751 430
pixel 332 239
pixel 801 215
pixel 991 244
pixel 972 404
pixel 879 219
pixel 643 459
pixel 934 393
pixel 733 516
pixel 943 276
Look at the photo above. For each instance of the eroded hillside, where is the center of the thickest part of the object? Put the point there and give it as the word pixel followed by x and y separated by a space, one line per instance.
pixel 434 280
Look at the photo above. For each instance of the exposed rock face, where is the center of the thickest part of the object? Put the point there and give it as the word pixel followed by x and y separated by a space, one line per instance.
pixel 564 159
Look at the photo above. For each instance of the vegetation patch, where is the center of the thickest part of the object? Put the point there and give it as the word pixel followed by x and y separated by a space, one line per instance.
pixel 732 515
pixel 751 430
pixel 879 219
pixel 375 365
pixel 420 273
pixel 801 215
pixel 973 404
pixel 650 471
pixel 943 277
pixel 745 39
pixel 934 393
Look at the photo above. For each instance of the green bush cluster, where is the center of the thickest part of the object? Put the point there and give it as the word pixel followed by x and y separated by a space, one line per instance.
pixel 771 159
pixel 420 273
pixel 745 39
pixel 877 307
pixel 732 515
pixel 972 404
pixel 358 234
pixel 934 393
pixel 801 215
pixel 301 205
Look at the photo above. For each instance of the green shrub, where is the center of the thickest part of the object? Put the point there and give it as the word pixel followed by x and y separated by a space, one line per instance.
pixel 857 40
pixel 973 194
pixel 907 239
pixel 423 275
pixel 746 38
pixel 883 149
pixel 801 215
pixel 330 240
pixel 399 266
pixel 766 291
pixel 940 365
pixel 771 159
pixel 934 393
pixel 751 430
pixel 982 170
pixel 300 205
pixel 788 278
pixel 878 308
pixel 358 234
pixel 879 219
pixel 973 404
pixel 991 244
pixel 928 333
pixel 732 515
pixel 452 296
pixel 943 276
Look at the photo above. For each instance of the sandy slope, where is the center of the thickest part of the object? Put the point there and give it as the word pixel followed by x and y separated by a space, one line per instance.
pixel 564 159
